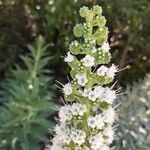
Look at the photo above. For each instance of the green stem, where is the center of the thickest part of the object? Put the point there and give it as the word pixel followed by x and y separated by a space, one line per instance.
pixel 37 58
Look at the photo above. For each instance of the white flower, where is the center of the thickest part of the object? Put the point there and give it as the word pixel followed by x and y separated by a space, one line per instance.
pixel 100 122
pixel 78 136
pixel 65 113
pixel 92 122
pixel 105 47
pixel 110 95
pixel 105 94
pixel 92 95
pixel 109 133
pixel 96 141
pixel 96 122
pixel 101 71
pixel 69 57
pixel 109 116
pixel 54 147
pixel 105 147
pixel 81 79
pixel 111 71
pixel 59 141
pixel 88 61
pixel 85 93
pixel 78 109
pixel 67 89
pixel 81 148
pixel 62 136
pixel 99 90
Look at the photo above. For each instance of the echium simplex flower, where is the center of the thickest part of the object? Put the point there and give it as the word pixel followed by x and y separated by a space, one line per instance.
pixel 86 121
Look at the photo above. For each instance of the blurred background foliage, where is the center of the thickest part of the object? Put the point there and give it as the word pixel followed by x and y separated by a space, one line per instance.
pixel 128 21
pixel 134 117
pixel 25 102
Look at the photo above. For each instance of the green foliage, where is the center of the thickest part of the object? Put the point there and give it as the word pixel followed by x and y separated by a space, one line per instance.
pixel 25 101
pixel 134 117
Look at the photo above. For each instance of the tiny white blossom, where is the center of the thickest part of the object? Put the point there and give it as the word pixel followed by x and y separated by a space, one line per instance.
pixel 92 95
pixel 96 122
pixel 109 133
pixel 81 148
pixel 105 94
pixel 69 57
pixel 92 122
pixel 101 71
pixel 85 93
pixel 81 79
pixel 62 136
pixel 96 141
pixel 105 147
pixel 105 47
pixel 67 89
pixel 110 95
pixel 99 90
pixel 65 113
pixel 88 61
pixel 78 109
pixel 112 71
pixel 78 136
pixel 100 121
pixel 109 116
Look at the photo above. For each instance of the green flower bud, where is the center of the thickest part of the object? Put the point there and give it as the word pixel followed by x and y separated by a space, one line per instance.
pixel 75 47
pixel 97 9
pixel 78 30
pixel 102 21
pixel 84 11
pixel 101 35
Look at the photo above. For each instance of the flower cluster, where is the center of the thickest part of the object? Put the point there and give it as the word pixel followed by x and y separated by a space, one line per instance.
pixel 85 123
pixel 100 94
pixel 99 121
pixel 67 112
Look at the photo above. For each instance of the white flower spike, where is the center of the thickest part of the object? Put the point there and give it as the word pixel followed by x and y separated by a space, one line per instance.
pixel 86 122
